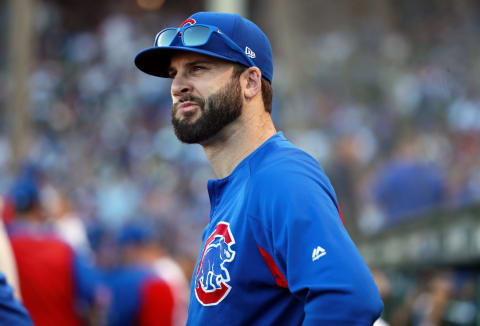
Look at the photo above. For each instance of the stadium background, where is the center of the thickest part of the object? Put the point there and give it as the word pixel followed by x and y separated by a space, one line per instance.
pixel 384 94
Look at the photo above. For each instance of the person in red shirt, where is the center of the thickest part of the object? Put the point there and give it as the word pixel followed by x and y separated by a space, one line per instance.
pixel 56 285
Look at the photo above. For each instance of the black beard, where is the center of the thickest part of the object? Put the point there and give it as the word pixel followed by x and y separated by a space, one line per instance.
pixel 219 110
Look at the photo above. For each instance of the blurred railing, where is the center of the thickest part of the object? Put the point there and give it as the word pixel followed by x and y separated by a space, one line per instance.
pixel 441 238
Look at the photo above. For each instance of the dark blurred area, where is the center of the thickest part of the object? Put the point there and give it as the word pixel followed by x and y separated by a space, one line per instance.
pixel 384 94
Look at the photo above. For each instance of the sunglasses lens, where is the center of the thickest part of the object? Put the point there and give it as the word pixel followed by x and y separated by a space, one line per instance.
pixel 166 37
pixel 196 35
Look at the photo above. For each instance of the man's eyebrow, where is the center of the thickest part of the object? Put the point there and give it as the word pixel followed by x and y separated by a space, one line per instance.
pixel 201 62
pixel 193 63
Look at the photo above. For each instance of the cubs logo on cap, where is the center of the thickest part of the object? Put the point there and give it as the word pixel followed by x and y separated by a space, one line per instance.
pixel 212 277
pixel 189 21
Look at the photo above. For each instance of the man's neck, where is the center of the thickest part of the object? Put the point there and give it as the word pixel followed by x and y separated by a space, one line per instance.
pixel 235 142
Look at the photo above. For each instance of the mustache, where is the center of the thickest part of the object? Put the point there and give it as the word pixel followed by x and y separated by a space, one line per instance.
pixel 190 98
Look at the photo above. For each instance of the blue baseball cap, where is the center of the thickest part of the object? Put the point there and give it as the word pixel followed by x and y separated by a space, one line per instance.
pixel 249 38
pixel 137 233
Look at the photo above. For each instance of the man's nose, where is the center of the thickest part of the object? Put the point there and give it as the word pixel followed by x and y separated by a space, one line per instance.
pixel 180 86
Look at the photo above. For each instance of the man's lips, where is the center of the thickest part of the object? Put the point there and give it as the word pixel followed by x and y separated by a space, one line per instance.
pixel 187 107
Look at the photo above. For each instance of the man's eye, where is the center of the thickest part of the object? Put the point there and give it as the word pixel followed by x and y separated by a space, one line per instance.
pixel 198 68
pixel 171 74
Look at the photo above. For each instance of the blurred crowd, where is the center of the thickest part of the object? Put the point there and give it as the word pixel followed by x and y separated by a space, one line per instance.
pixel 429 297
pixel 391 110
pixel 389 105
pixel 67 274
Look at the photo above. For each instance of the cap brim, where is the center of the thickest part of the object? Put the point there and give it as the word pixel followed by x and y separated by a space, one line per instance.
pixel 156 61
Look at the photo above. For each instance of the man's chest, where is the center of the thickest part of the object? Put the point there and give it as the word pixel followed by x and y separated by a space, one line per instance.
pixel 228 247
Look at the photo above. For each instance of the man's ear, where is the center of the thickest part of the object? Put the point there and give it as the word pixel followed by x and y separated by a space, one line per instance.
pixel 252 80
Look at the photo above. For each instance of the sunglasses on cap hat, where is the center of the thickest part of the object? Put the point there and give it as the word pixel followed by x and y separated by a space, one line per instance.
pixel 196 36
pixel 225 36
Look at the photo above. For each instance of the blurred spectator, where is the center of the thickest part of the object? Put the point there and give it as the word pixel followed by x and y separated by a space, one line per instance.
pixel 138 295
pixel 7 262
pixel 67 223
pixel 430 303
pixel 170 271
pixel 342 170
pixel 384 288
pixel 462 309
pixel 464 172
pixel 429 297
pixel 11 310
pixel 408 185
pixel 57 286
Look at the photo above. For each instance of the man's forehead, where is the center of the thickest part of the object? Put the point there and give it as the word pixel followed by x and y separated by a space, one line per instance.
pixel 182 58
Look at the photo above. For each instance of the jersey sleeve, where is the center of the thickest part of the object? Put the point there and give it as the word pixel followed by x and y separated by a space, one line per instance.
pixel 297 223
pixel 157 304
pixel 11 311
pixel 86 279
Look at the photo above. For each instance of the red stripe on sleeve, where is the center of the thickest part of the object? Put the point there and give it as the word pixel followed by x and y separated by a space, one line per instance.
pixel 277 275
pixel 340 213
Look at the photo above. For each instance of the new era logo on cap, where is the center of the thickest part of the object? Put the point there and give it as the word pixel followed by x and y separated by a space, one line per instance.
pixel 249 52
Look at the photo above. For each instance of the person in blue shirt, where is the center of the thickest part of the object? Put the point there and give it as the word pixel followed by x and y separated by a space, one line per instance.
pixel 138 295
pixel 12 311
pixel 275 251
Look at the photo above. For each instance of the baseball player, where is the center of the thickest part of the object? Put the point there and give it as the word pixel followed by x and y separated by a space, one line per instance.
pixel 275 251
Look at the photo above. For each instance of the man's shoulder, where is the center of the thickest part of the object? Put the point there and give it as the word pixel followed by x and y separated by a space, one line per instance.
pixel 284 163
pixel 287 171
pixel 281 157
pixel 282 180
pixel 282 170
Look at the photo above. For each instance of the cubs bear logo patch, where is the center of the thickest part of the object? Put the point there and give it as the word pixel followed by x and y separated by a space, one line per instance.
pixel 212 276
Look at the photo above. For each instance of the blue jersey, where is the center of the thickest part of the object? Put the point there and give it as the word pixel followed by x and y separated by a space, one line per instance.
pixel 276 252
pixel 139 297
pixel 11 311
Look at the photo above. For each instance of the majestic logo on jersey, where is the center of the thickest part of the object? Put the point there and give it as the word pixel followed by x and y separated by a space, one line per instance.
pixel 189 21
pixel 318 253
pixel 212 277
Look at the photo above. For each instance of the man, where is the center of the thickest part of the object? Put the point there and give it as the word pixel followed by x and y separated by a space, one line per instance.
pixel 57 286
pixel 11 310
pixel 138 295
pixel 275 251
